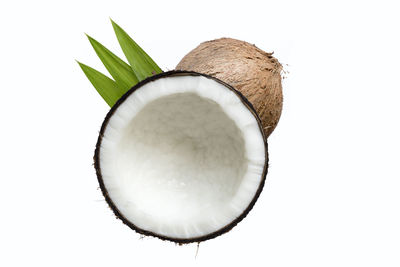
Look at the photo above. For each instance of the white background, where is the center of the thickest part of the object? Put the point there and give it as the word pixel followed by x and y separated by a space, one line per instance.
pixel 332 196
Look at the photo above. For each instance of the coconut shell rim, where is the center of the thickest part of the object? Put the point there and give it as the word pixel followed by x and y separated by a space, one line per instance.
pixel 120 215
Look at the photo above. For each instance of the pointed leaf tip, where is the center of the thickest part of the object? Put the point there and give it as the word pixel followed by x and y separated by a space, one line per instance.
pixel 118 69
pixel 141 63
pixel 125 76
pixel 107 88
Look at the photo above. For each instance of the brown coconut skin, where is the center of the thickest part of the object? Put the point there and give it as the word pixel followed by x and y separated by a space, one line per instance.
pixel 250 70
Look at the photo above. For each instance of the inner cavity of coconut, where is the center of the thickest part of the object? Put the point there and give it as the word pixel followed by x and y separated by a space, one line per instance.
pixel 182 157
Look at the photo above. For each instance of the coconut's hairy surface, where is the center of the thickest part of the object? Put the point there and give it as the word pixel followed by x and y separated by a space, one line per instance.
pixel 253 72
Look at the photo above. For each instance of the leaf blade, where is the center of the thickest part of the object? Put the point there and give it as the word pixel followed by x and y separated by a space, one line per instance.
pixel 118 69
pixel 141 63
pixel 107 88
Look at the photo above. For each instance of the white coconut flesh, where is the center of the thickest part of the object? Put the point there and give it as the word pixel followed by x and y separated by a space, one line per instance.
pixel 182 157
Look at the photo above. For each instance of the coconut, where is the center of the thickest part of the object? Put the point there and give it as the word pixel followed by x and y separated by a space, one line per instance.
pixel 182 156
pixel 253 72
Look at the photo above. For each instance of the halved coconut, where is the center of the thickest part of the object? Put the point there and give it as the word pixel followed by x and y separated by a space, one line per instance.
pixel 181 156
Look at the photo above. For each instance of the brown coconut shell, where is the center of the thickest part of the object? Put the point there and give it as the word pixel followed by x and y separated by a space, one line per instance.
pixel 250 70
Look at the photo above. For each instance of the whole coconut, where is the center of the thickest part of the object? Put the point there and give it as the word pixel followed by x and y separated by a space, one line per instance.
pixel 253 72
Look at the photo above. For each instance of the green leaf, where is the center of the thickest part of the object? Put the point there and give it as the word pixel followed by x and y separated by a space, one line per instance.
pixel 107 88
pixel 119 70
pixel 141 63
